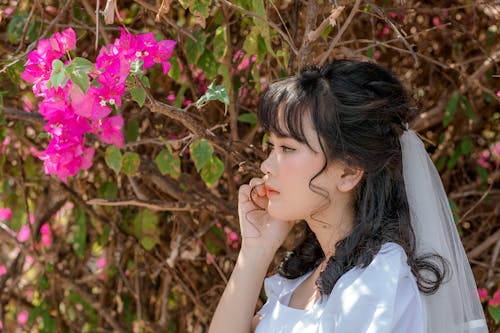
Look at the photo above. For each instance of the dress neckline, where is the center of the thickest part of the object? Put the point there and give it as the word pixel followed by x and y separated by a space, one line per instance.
pixel 284 300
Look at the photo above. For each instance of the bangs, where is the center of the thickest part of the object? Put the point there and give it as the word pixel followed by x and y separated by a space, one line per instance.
pixel 283 108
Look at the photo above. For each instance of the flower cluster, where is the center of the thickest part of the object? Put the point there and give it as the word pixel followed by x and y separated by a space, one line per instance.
pixel 490 158
pixel 493 301
pixel 69 111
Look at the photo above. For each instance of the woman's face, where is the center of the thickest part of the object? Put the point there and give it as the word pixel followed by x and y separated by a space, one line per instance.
pixel 289 168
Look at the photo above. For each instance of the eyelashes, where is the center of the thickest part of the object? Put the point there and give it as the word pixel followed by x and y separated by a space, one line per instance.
pixel 284 149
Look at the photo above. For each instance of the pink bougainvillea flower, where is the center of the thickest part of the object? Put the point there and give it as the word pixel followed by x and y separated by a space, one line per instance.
pixel 23 234
pixel 483 294
pixel 54 107
pixel 5 143
pixel 110 131
pixel 22 317
pixel 165 49
pixel 436 21
pixel 101 263
pixel 1 325
pixel 64 41
pixel 385 31
pixel 484 158
pixel 3 270
pixel 89 105
pixel 65 156
pixel 69 113
pixel 112 89
pixel 495 300
pixel 46 239
pixel 5 214
pixel 149 49
pixel 498 93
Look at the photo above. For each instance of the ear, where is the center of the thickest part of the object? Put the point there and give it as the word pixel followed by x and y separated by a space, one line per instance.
pixel 349 178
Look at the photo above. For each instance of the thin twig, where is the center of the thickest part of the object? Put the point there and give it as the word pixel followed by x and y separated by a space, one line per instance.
pixel 265 20
pixel 340 32
pixel 150 204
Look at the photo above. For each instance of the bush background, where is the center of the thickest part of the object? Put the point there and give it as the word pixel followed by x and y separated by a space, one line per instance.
pixel 147 251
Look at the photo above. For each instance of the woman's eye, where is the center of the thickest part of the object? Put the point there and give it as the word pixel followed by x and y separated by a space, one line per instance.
pixel 284 149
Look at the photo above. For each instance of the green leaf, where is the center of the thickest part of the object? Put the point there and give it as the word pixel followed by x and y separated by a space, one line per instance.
pixel 453 159
pixel 130 163
pixel 132 130
pixel 57 65
pixel 194 48
pixel 482 172
pixel 175 69
pixel 78 71
pixel 249 118
pixel 494 313
pixel 113 158
pixel 16 27
pixel 467 108
pixel 220 43
pixel 14 72
pixel 145 228
pixel 465 146
pixel 201 153
pixel 208 64
pixel 454 209
pixel 250 44
pixel 214 92
pixel 168 163
pixel 451 108
pixel 265 141
pixel 80 232
pixel 200 7
pixel 212 171
pixel 81 65
pixel 138 95
pixel 81 79
pixel 144 80
pixel 108 190
pixel 58 76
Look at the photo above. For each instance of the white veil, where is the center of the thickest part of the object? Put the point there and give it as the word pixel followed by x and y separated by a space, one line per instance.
pixel 455 307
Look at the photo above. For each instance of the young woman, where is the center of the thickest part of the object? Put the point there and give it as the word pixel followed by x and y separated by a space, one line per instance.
pixel 381 251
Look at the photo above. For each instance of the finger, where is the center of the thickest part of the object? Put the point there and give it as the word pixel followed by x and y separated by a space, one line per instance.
pixel 244 192
pixel 258 183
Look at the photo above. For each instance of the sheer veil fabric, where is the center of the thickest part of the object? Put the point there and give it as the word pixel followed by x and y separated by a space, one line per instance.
pixel 455 307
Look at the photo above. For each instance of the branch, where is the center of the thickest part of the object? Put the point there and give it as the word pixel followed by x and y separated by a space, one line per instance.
pixel 265 20
pixel 341 32
pixel 150 204
pixel 32 117
pixel 89 299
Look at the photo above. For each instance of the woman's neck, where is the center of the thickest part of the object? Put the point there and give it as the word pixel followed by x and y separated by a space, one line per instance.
pixel 332 225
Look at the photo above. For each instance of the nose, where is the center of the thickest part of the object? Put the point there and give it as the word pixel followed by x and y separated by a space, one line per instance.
pixel 265 166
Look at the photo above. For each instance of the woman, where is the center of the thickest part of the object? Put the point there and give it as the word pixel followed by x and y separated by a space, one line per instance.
pixel 381 252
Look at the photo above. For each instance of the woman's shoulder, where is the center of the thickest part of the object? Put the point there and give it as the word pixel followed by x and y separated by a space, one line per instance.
pixel 386 270
pixel 382 293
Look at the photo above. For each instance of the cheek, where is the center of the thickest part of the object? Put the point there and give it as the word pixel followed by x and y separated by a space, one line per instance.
pixel 297 201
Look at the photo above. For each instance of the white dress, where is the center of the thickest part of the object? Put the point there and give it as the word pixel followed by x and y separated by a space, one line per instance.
pixel 382 297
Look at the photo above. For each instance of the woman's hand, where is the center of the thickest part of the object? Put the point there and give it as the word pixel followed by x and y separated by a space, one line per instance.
pixel 259 231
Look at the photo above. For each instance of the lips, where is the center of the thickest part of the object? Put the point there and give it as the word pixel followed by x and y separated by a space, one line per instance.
pixel 270 190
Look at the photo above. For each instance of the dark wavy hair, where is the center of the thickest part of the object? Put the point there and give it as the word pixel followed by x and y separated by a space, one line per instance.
pixel 358 110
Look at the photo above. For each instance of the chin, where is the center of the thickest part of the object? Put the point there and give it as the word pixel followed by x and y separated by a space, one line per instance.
pixel 282 214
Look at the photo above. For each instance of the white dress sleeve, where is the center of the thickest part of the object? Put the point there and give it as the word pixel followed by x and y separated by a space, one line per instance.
pixel 380 298
pixel 273 286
